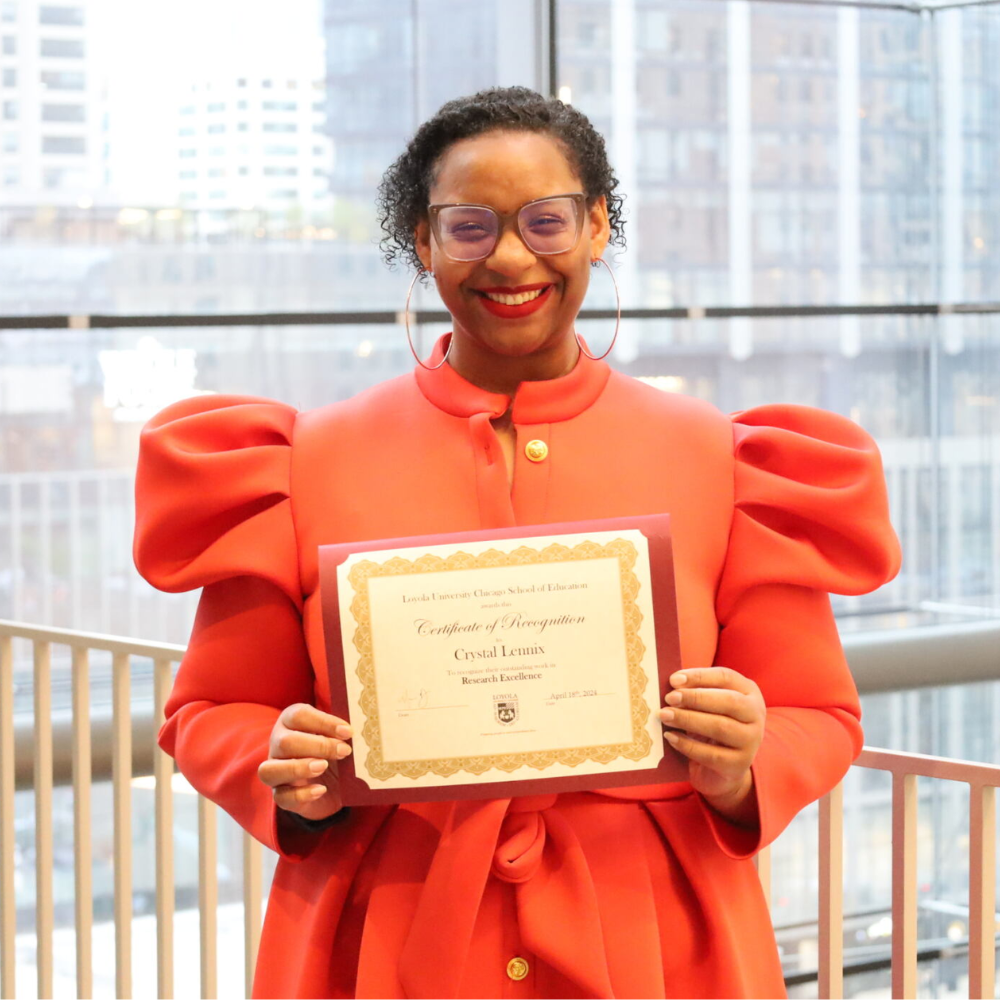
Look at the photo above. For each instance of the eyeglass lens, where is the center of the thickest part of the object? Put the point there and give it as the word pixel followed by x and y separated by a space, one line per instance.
pixel 470 232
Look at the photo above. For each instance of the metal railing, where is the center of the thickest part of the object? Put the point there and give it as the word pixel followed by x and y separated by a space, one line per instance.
pixel 982 780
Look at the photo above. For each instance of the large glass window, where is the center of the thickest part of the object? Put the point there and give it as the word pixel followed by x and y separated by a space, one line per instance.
pixel 772 155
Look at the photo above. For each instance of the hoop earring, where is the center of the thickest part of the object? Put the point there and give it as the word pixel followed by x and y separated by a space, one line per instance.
pixel 618 316
pixel 406 323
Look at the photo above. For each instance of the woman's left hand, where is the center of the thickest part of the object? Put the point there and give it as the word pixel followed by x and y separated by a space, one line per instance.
pixel 721 717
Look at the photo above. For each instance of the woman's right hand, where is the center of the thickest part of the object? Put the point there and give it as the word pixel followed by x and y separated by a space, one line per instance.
pixel 301 768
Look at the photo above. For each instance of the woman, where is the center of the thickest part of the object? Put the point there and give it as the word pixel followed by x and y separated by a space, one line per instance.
pixel 507 199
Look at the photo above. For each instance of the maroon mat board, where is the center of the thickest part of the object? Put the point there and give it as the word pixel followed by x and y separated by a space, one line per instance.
pixel 672 767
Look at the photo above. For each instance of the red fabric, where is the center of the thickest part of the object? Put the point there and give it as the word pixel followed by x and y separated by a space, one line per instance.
pixel 639 892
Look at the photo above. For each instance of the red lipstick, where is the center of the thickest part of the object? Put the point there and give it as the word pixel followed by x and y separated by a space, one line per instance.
pixel 514 312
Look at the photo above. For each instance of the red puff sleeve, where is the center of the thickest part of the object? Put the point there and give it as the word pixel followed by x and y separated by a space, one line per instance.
pixel 811 517
pixel 213 510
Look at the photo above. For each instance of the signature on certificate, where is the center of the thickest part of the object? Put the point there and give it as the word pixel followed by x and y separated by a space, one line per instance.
pixel 418 700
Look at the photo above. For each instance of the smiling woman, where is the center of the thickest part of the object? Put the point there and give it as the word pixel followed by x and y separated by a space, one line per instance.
pixel 507 199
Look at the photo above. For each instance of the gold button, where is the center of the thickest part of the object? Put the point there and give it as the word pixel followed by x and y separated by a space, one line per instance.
pixel 517 969
pixel 537 451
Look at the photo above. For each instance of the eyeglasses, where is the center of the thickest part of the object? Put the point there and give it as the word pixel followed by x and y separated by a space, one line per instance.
pixel 546 226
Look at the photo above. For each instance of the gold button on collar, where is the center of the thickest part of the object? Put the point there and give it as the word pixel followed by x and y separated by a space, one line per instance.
pixel 537 451
pixel 517 968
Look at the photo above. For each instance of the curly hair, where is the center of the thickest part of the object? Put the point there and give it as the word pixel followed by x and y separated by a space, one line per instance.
pixel 404 191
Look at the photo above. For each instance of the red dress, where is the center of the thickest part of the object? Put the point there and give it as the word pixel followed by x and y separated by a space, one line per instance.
pixel 643 892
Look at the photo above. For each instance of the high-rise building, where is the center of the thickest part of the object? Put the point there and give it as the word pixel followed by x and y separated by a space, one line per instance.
pixel 255 143
pixel 52 149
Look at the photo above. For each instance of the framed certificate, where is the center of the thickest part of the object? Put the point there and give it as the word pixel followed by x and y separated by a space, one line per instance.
pixel 490 664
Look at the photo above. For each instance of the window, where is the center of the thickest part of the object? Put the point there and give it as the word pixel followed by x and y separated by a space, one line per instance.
pixel 216 129
pixel 186 154
pixel 11 142
pixel 10 111
pixel 283 193
pixel 11 176
pixel 61 48
pixel 186 131
pixel 280 127
pixel 10 77
pixel 266 84
pixel 66 144
pixel 217 151
pixel 217 106
pixel 216 195
pixel 281 171
pixel 64 113
pixel 242 127
pixel 280 150
pixel 60 15
pixel 187 175
pixel 243 171
pixel 242 105
pixel 59 80
pixel 9 45
pixel 280 106
pixel 188 109
pixel 241 82
pixel 8 11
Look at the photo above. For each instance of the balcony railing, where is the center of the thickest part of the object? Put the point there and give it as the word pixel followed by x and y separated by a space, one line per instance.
pixel 68 753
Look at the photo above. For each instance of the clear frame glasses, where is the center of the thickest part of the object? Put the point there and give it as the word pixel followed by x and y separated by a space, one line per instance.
pixel 546 226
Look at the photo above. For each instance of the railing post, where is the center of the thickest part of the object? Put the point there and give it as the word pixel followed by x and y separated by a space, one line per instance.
pixel 831 894
pixel 982 891
pixel 8 913
pixel 904 886
pixel 163 769
pixel 121 768
pixel 208 896
pixel 83 898
pixel 44 861
pixel 251 907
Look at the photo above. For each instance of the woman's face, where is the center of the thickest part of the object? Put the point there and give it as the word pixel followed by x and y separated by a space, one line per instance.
pixel 504 170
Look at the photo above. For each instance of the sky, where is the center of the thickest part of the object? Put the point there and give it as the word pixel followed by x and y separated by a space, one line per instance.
pixel 149 52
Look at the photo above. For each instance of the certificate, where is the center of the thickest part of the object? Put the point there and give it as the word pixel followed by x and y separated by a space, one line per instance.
pixel 499 663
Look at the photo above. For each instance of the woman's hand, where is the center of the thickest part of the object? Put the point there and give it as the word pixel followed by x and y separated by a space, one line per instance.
pixel 301 768
pixel 720 715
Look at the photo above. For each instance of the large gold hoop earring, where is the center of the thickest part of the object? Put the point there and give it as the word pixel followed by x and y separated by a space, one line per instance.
pixel 406 323
pixel 618 316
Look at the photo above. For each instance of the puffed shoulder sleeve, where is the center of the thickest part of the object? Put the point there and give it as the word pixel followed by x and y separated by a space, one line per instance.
pixel 810 505
pixel 212 494
pixel 810 517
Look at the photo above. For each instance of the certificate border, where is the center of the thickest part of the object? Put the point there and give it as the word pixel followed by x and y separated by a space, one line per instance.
pixel 673 766
pixel 622 551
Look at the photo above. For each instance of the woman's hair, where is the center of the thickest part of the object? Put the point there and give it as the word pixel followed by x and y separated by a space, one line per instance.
pixel 404 192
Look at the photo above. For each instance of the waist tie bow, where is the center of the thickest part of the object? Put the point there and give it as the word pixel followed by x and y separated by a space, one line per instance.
pixel 523 841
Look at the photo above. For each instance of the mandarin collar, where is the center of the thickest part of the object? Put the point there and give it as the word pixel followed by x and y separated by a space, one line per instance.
pixel 543 402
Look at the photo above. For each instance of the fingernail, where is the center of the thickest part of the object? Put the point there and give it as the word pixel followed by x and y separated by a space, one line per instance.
pixel 667 714
pixel 674 698
pixel 316 791
pixel 678 679
pixel 344 732
pixel 318 766
pixel 343 750
pixel 671 738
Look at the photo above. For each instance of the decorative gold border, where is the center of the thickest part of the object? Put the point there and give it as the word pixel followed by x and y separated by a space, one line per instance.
pixel 621 549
